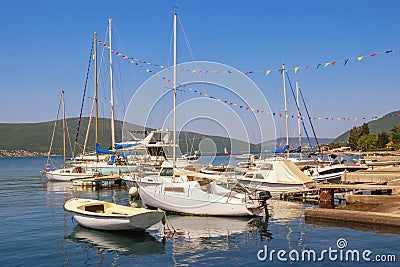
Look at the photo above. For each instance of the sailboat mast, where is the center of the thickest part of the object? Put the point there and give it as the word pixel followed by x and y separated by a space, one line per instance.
pixel 64 128
pixel 111 85
pixel 286 108
pixel 174 84
pixel 96 95
pixel 298 113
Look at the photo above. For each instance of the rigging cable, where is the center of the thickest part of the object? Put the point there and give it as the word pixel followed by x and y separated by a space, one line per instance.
pixel 298 109
pixel 83 101
pixel 309 118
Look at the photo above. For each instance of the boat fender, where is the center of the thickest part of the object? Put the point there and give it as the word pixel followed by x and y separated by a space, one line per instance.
pixel 133 191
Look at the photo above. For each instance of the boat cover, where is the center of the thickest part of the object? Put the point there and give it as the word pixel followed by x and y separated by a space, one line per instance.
pixel 100 150
pixel 280 150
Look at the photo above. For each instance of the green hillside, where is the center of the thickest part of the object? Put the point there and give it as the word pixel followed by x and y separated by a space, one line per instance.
pixel 376 126
pixel 36 137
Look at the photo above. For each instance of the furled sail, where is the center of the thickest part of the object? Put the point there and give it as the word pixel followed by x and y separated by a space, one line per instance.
pixel 100 150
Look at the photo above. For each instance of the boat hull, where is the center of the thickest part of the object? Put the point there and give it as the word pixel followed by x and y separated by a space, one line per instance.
pixel 184 202
pixel 136 223
pixel 65 177
pixel 101 215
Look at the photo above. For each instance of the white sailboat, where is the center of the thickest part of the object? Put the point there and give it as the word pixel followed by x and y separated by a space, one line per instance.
pixel 172 190
pixel 104 161
pixel 64 174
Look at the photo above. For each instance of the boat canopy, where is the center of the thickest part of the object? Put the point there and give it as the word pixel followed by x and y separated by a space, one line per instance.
pixel 100 150
pixel 280 150
pixel 125 145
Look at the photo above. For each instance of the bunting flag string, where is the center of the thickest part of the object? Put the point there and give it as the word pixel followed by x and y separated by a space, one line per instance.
pixel 245 107
pixel 142 64
pixel 147 65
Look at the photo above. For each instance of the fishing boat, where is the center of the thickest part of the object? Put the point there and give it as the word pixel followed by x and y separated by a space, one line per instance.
pixel 191 192
pixel 102 215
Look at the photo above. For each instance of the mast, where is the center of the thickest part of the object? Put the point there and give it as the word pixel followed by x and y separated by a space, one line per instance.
pixel 298 114
pixel 174 84
pixel 286 108
pixel 111 85
pixel 96 95
pixel 64 128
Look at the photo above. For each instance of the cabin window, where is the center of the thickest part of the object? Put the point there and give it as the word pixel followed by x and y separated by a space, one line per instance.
pixel 166 172
pixel 249 175
pixel 267 167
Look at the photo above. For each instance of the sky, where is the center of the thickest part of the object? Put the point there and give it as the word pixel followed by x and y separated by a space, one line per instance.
pixel 45 48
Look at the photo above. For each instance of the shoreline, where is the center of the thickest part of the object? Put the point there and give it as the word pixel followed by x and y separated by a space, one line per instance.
pixel 17 153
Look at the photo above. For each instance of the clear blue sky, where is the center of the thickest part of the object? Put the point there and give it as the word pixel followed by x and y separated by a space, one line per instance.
pixel 45 47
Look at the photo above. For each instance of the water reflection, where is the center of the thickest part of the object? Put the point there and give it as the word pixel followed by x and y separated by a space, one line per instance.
pixel 196 227
pixel 284 211
pixel 59 187
pixel 137 243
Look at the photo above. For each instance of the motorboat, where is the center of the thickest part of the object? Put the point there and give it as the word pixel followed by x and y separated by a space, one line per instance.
pixel 276 177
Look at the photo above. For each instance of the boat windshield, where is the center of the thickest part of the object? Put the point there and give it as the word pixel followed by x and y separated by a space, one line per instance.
pixel 166 172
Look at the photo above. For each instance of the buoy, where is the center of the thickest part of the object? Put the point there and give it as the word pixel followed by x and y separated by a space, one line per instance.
pixel 133 191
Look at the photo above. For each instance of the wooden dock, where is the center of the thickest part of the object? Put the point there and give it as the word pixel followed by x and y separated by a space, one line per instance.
pixel 106 181
pixel 326 192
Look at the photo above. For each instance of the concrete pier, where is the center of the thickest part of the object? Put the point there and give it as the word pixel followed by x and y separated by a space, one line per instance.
pixel 372 176
pixel 366 217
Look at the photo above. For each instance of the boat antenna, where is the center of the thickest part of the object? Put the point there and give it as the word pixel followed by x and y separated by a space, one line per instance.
pixel 174 85
pixel 111 86
pixel 286 108
pixel 64 128
pixel 298 116
pixel 96 95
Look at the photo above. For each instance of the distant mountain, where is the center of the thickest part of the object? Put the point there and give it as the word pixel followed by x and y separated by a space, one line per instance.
pixel 36 137
pixel 383 124
pixel 294 142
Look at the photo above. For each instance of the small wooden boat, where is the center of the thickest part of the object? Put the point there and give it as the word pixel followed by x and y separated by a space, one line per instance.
pixel 102 215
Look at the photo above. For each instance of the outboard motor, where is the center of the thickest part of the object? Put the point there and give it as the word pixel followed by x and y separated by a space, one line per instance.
pixel 264 196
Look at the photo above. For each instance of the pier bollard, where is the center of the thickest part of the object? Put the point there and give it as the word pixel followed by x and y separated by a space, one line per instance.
pixel 326 198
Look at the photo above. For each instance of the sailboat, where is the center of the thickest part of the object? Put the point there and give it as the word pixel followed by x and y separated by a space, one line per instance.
pixel 64 174
pixel 184 192
pixel 104 161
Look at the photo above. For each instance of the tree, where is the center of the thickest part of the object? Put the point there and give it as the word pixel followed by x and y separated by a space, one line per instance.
pixel 366 142
pixel 364 129
pixel 353 137
pixel 383 139
pixel 396 136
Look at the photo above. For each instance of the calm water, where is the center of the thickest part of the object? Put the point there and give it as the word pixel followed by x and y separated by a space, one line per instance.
pixel 36 231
